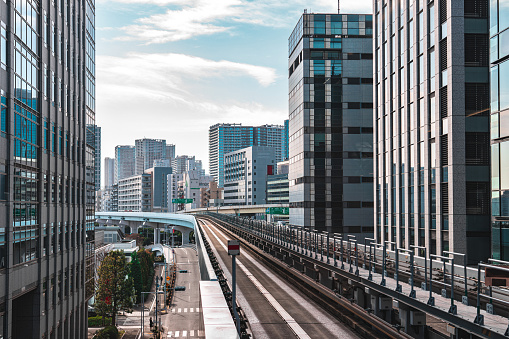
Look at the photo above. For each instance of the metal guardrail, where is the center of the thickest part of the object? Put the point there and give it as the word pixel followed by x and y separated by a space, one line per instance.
pixel 434 270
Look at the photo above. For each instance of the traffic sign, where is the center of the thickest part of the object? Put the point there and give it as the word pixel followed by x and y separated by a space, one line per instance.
pixel 278 210
pixel 182 201
pixel 233 247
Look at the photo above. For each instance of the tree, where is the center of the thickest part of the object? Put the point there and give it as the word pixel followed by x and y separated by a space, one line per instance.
pixel 147 268
pixel 135 274
pixel 115 291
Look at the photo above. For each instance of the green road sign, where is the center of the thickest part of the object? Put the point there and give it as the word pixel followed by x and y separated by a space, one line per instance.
pixel 278 210
pixel 182 201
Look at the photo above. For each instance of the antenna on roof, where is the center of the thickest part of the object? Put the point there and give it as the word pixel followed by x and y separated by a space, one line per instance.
pixel 338 6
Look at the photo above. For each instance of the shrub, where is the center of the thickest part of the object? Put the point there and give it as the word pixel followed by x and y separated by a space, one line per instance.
pixel 110 332
pixel 97 321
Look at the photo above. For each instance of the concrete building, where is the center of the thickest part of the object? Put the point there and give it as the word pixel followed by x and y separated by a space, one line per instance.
pixel 184 163
pixel 159 182
pixel 107 199
pixel 148 150
pixel 125 161
pixel 245 175
pixel 331 123
pixel 173 191
pixel 135 193
pixel 109 172
pixel 278 190
pixel 283 167
pixel 499 129
pixel 47 183
pixel 97 158
pixel 226 138
pixel 190 185
pixel 432 126
pixel 212 192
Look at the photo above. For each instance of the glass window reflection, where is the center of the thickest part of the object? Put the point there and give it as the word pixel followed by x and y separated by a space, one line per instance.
pixel 503 14
pixel 504 165
pixel 504 85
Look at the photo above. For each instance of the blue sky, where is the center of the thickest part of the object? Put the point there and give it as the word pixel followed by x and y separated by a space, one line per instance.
pixel 171 68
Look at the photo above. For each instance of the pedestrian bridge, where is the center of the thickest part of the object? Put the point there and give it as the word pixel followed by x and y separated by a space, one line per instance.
pixel 134 220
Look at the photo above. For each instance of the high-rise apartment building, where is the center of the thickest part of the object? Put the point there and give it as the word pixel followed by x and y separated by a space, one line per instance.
pixel 46 168
pixel 97 158
pixel 170 151
pixel 331 119
pixel 124 162
pixel 226 138
pixel 184 163
pixel 499 33
pixel 109 172
pixel 148 150
pixel 431 124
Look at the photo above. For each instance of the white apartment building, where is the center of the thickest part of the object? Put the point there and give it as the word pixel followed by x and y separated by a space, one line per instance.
pixel 135 194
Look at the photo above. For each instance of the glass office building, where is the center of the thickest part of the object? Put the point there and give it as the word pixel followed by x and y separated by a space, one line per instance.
pixel 331 123
pixel 431 125
pixel 499 53
pixel 47 186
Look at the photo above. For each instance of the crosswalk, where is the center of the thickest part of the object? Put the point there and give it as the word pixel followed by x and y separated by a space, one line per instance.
pixel 186 334
pixel 185 310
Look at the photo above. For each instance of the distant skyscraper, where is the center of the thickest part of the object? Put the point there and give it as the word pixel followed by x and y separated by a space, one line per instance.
pixel 47 186
pixel 226 138
pixel 170 151
pixel 330 127
pixel 499 129
pixel 109 172
pixel 97 158
pixel 184 163
pixel 148 150
pixel 124 162
pixel 432 126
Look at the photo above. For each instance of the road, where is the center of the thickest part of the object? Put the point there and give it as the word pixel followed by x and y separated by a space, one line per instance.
pixel 274 308
pixel 183 318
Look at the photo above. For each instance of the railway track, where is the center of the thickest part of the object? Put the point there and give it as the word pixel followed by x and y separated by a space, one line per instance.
pixel 302 308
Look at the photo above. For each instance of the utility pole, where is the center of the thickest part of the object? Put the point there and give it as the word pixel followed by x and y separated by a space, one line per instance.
pixel 338 6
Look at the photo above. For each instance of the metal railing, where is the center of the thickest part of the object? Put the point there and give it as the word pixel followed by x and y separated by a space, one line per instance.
pixel 405 265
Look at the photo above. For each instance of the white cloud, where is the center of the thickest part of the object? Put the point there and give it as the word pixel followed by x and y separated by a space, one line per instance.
pixel 158 96
pixel 194 18
pixel 164 72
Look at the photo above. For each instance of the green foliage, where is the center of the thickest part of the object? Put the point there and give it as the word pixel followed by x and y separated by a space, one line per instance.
pixel 110 332
pixel 98 321
pixel 135 274
pixel 146 258
pixel 115 291
pixel 147 234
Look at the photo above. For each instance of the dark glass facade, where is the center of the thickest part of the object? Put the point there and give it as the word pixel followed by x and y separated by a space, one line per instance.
pixel 47 78
pixel 499 78
pixel 331 123
pixel 432 125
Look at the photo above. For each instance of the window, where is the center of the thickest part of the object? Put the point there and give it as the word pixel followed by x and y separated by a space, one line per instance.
pixel 504 85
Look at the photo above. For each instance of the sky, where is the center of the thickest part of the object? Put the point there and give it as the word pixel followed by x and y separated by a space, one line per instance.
pixel 169 69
